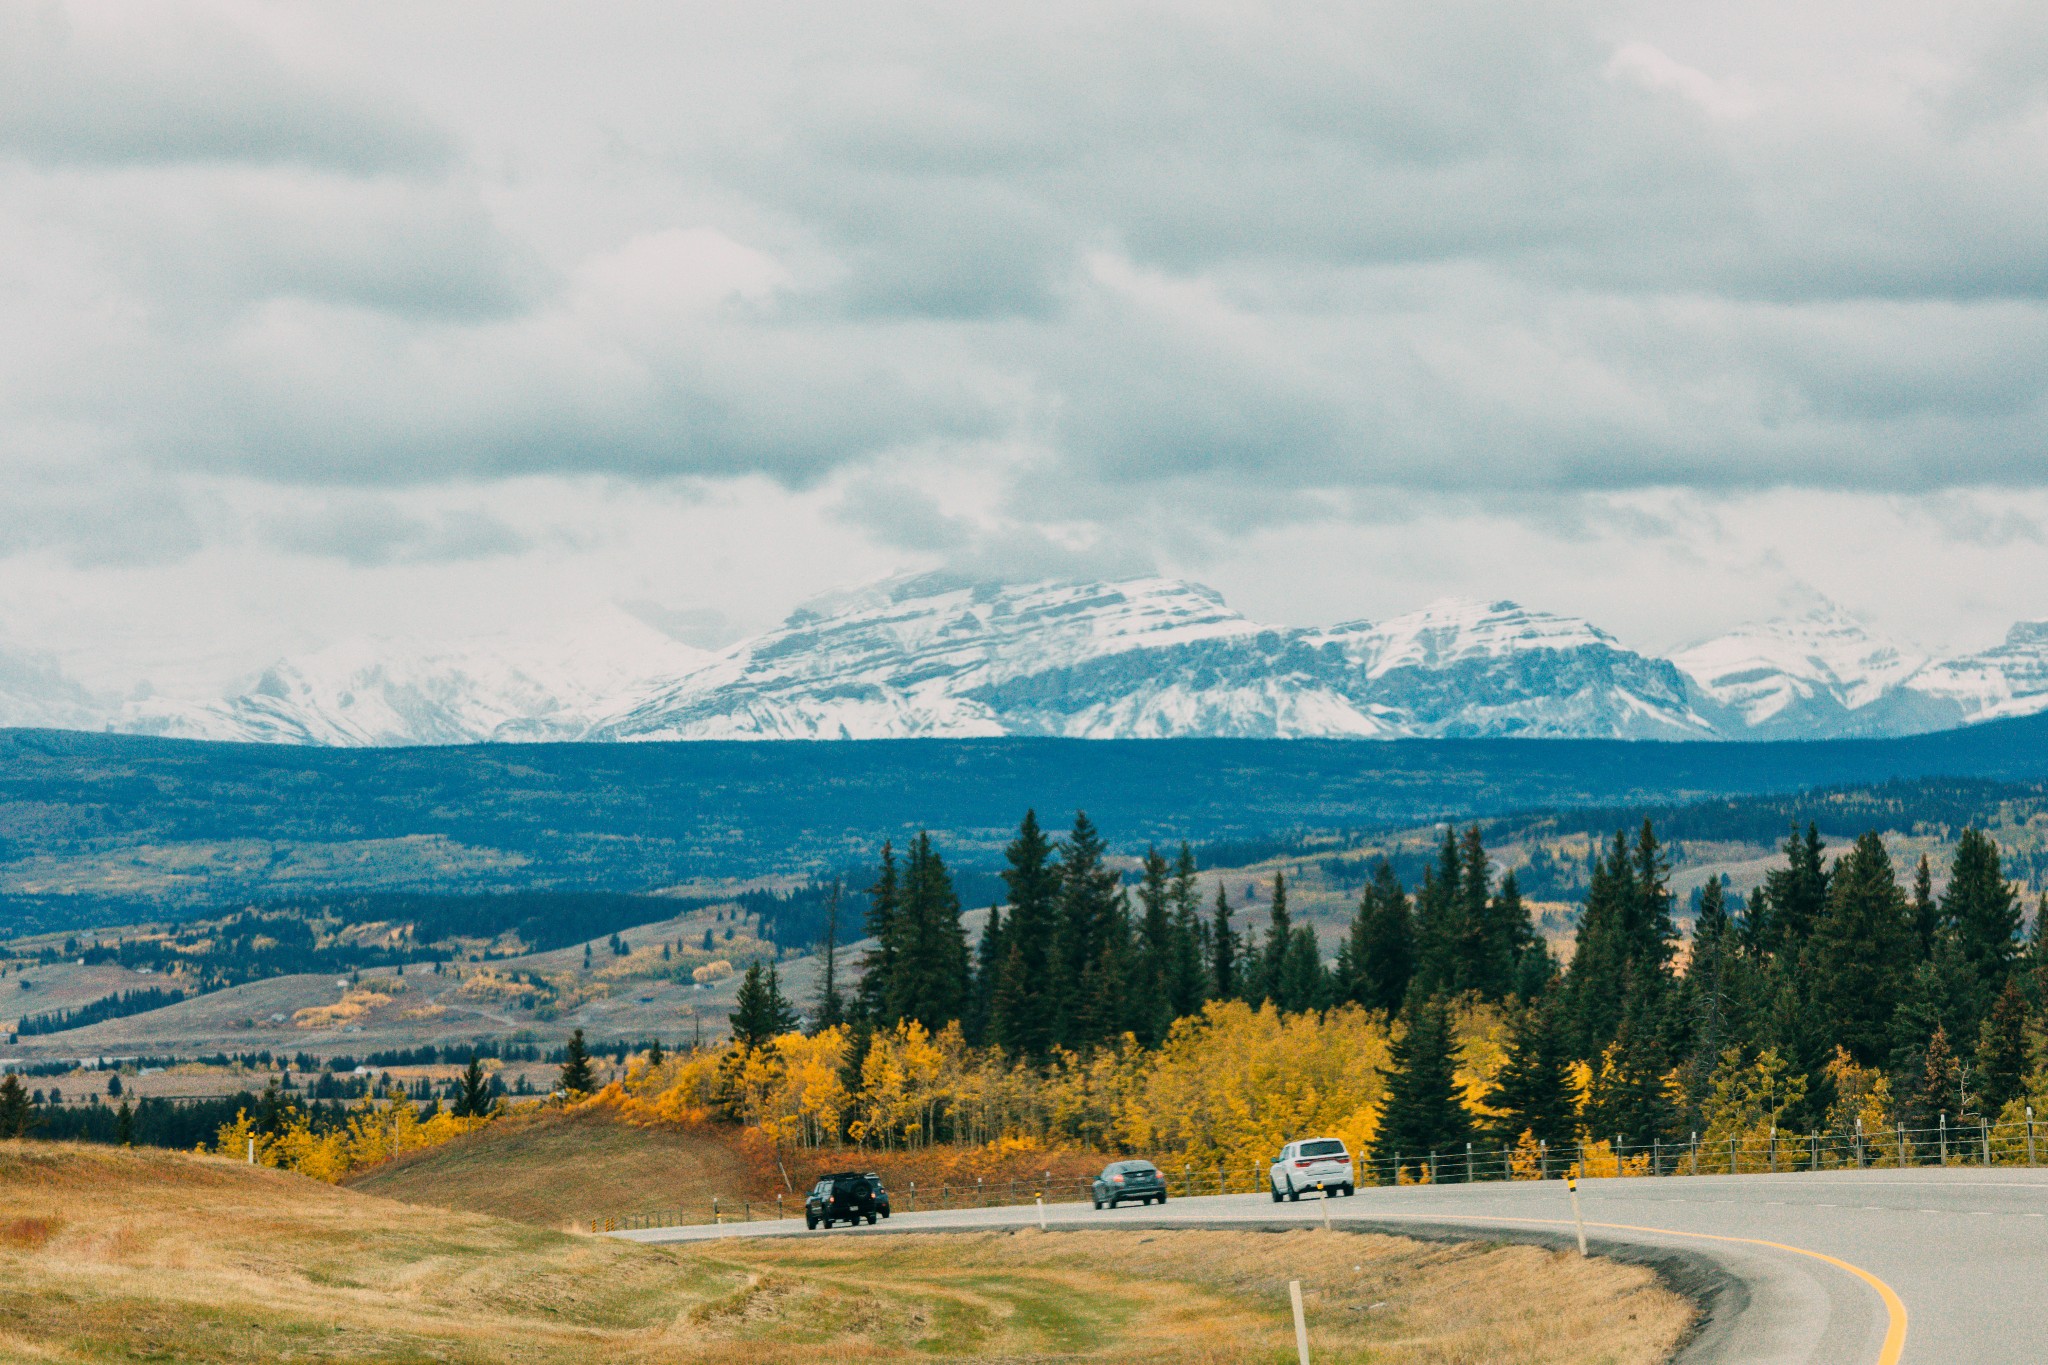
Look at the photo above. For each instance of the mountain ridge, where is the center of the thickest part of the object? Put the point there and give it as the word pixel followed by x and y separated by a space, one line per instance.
pixel 942 655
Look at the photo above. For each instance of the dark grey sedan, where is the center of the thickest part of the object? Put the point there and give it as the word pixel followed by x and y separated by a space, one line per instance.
pixel 1134 1180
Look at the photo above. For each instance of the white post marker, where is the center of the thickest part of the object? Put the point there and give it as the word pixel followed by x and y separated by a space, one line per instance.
pixel 1041 1211
pixel 1300 1322
pixel 1326 1208
pixel 252 1151
pixel 1571 1183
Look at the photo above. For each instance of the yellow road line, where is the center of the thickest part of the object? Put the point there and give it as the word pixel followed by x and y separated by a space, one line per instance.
pixel 1894 1307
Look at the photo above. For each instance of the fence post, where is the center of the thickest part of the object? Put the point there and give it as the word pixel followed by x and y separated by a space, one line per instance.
pixel 1542 1159
pixel 1944 1137
pixel 716 1217
pixel 913 1196
pixel 1617 1156
pixel 1300 1322
pixel 1435 1176
pixel 1813 1151
pixel 1221 1188
pixel 1656 1157
pixel 1507 1169
pixel 1902 1146
pixel 2030 1135
pixel 1859 1142
pixel 979 1198
pixel 1731 1154
pixel 1987 1141
pixel 1468 1163
pixel 1774 1149
pixel 1692 1147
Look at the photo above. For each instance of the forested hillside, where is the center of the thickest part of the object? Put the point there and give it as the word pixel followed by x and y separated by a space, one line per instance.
pixel 112 827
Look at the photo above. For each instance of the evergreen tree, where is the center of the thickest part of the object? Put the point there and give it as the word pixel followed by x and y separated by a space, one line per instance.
pixel 474 1100
pixel 576 1076
pixel 1034 883
pixel 1087 905
pixel 1015 1019
pixel 14 1111
pixel 1105 1004
pixel 989 956
pixel 1303 984
pixel 1629 1098
pixel 1936 1091
pixel 1796 895
pixel 1224 972
pixel 831 1004
pixel 761 1012
pixel 1926 914
pixel 1860 952
pixel 932 980
pixel 1151 991
pixel 1712 986
pixel 1423 1112
pixel 655 1056
pixel 1188 984
pixel 2001 1071
pixel 124 1125
pixel 1531 969
pixel 1597 980
pixel 1436 920
pixel 1534 1092
pixel 878 966
pixel 1479 961
pixel 1378 960
pixel 1982 910
pixel 1279 937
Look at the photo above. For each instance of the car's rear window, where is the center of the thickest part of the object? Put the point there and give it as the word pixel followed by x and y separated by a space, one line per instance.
pixel 1326 1147
pixel 1138 1167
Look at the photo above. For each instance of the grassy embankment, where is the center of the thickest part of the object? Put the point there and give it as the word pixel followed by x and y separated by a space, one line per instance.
pixel 108 1254
pixel 561 1170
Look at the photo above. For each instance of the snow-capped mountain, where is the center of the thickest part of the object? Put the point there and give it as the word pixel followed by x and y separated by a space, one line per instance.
pixel 2009 679
pixel 1823 674
pixel 370 691
pixel 1798 678
pixel 943 655
pixel 1149 658
pixel 35 691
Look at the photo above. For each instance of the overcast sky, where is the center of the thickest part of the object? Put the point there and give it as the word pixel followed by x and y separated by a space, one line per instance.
pixel 436 319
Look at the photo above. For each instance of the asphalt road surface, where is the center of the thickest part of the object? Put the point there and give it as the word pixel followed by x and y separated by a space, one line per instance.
pixel 1932 1267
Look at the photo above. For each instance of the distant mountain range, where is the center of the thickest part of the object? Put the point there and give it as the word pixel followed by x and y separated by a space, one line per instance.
pixel 937 655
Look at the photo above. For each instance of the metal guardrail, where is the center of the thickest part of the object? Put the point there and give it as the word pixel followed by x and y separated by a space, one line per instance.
pixel 1973 1143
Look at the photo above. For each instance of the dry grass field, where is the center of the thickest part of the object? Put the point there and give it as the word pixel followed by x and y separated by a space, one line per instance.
pixel 113 1255
pixel 556 1169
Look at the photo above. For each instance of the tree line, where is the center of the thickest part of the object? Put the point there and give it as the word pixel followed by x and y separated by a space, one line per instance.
pixel 1831 977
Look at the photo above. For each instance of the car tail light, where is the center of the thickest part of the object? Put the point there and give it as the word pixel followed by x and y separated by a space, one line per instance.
pixel 1304 1163
pixel 1344 1161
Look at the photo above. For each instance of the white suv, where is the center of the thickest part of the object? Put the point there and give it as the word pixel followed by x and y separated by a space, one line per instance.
pixel 1312 1164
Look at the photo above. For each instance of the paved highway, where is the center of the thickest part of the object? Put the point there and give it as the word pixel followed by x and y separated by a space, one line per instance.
pixel 1933 1267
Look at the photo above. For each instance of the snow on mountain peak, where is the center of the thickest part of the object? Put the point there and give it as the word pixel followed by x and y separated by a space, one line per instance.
pixel 1454 628
pixel 1822 660
pixel 941 654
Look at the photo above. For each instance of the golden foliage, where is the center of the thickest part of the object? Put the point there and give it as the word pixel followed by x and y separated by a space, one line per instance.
pixel 373 1134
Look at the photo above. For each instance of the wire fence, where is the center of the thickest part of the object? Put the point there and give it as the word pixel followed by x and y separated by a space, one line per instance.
pixel 1973 1142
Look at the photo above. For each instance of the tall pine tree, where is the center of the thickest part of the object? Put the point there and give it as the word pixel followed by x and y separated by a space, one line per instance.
pixel 1861 953
pixel 1534 1093
pixel 1378 960
pixel 1424 1112
pixel 1225 965
pixel 1034 883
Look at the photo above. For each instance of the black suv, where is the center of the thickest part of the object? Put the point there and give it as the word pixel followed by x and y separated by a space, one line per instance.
pixel 1121 1180
pixel 841 1197
pixel 881 1195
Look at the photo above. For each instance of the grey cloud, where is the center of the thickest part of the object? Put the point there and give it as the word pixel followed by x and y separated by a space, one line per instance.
pixel 369 531
pixel 123 85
